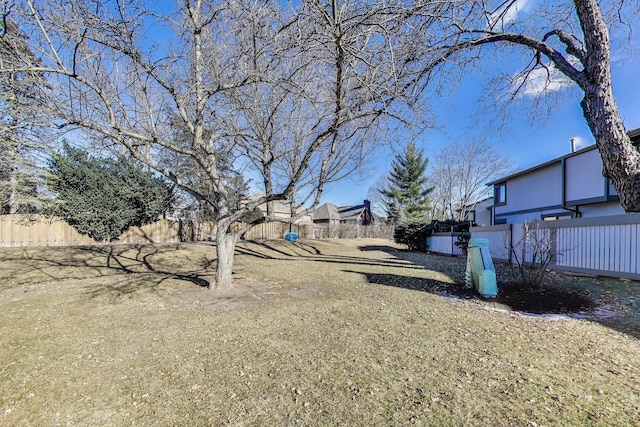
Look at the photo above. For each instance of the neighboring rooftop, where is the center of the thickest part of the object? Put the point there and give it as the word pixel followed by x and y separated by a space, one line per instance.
pixel 633 134
pixel 329 211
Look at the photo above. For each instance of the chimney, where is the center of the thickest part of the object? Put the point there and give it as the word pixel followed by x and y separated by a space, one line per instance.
pixel 368 216
pixel 573 145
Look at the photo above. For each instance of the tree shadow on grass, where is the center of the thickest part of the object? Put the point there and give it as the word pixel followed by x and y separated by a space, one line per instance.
pixel 266 250
pixel 137 262
pixel 422 284
pixel 126 269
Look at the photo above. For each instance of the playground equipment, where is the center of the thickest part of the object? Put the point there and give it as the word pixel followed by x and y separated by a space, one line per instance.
pixel 480 271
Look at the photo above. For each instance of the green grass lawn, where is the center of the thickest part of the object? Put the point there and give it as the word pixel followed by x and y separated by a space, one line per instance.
pixel 310 335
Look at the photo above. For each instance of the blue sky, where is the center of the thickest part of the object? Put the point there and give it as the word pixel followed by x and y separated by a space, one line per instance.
pixel 526 141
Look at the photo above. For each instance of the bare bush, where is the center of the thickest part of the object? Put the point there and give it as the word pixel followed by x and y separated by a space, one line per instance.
pixel 352 231
pixel 533 249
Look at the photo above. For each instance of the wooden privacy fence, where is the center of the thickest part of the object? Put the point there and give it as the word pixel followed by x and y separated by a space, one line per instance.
pixel 277 230
pixel 36 230
pixel 607 246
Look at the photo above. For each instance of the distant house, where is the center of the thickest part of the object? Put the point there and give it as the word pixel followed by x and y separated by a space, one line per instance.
pixel 329 213
pixel 282 209
pixel 571 186
pixel 480 213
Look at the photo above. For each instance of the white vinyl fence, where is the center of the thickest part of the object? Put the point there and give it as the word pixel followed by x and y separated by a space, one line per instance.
pixel 607 246
pixel 444 243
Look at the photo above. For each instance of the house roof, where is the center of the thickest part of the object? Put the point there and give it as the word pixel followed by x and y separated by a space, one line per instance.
pixel 488 201
pixel 330 211
pixel 542 165
pixel 633 134
pixel 326 211
pixel 350 212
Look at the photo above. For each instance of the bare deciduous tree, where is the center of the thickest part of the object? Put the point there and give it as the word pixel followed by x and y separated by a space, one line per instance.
pixel 292 97
pixel 460 175
pixel 533 253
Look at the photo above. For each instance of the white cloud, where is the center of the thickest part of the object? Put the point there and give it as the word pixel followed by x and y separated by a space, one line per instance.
pixel 540 81
pixel 507 13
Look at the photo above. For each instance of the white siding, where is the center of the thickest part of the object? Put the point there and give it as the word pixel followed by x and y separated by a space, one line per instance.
pixel 482 211
pixel 536 189
pixel 584 178
pixel 483 216
pixel 601 209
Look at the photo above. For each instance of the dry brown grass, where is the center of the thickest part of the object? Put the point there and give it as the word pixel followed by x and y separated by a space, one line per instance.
pixel 310 336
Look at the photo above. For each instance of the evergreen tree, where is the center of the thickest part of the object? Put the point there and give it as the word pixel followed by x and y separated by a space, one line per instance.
pixel 104 197
pixel 21 114
pixel 406 195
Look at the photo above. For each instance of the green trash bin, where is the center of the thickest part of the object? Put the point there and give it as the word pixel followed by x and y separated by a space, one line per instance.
pixel 480 267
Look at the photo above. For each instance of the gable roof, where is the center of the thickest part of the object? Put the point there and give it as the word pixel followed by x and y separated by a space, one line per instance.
pixel 326 211
pixel 329 211
pixel 542 165
pixel 350 212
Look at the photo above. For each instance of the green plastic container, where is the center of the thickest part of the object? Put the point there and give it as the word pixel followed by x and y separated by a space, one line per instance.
pixel 482 270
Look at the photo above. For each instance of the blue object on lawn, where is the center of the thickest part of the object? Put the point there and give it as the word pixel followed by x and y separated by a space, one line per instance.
pixel 291 236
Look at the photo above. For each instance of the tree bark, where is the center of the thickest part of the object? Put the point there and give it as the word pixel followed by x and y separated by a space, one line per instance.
pixel 225 246
pixel 12 205
pixel 621 160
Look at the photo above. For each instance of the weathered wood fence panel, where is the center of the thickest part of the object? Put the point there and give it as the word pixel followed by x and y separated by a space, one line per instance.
pixel 162 231
pixel 36 230
pixel 277 230
pixel 608 245
pixel 351 231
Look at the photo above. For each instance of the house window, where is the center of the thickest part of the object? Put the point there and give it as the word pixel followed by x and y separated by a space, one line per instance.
pixel 500 194
pixel 471 216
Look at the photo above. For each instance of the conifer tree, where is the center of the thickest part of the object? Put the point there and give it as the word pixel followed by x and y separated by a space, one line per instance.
pixel 22 114
pixel 406 194
pixel 103 197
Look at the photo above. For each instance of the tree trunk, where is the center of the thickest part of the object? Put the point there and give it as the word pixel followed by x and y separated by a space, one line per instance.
pixel 13 189
pixel 225 247
pixel 621 160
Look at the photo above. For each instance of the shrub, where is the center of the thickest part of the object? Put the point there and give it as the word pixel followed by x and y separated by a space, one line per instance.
pixel 413 234
pixel 102 197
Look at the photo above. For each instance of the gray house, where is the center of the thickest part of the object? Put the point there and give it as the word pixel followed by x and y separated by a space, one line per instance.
pixel 571 186
pixel 480 213
pixel 329 213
